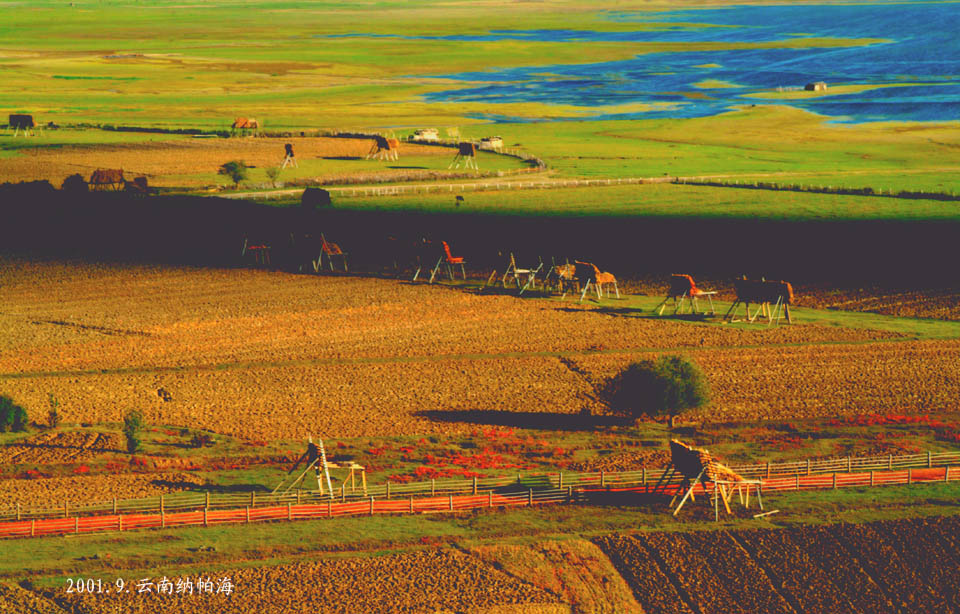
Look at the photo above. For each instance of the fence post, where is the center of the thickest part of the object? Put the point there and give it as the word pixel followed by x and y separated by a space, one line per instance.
pixel 871 477
pixel 18 510
pixel 909 476
pixel 808 466
pixel 643 475
pixel 298 495
pixel 371 506
pixel 489 498
pixel 530 496
pixel 451 502
pixel 834 480
pixel 768 470
pixel 119 523
pixel 929 459
pixel 163 519
pixel 602 482
pixel 161 505
pixel 570 494
pixel 33 527
pixel 206 501
pixel 204 516
pixel 474 484
pixel 946 473
pixel 560 482
pixel 247 509
pixel 289 511
pixel 433 487
pixel 411 504
pixel 343 493
pixel 65 508
pixel 253 498
pixel 76 524
pixel 849 465
pixel 388 489
pixel 796 481
pixel 330 507
pixel 890 462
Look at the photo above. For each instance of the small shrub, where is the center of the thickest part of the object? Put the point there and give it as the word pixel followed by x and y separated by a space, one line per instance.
pixel 201 440
pixel 53 416
pixel 12 416
pixel 132 425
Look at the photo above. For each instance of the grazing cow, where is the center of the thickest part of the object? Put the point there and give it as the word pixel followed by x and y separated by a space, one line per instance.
pixel 107 178
pixel 771 297
pixel 19 121
pixel 466 154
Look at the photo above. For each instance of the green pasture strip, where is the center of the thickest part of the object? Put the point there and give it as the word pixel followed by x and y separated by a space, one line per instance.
pixel 663 200
pixel 48 561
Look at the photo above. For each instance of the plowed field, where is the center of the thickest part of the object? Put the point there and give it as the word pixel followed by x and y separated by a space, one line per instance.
pixel 51 448
pixel 173 160
pixel 84 489
pixel 430 581
pixel 269 355
pixel 893 566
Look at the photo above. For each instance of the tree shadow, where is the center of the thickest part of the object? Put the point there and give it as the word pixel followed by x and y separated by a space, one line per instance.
pixel 527 420
pixel 341 157
pixel 214 488
pixel 421 168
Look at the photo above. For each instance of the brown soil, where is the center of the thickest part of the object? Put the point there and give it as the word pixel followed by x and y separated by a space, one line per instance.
pixel 168 161
pixel 54 448
pixel 93 488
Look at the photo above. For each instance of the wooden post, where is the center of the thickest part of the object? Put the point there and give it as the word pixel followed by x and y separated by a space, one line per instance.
pixel 161 505
pixel 76 524
pixel 643 475
pixel 490 498
pixel 343 493
pixel 909 476
pixel 808 466
pixel 371 506
pixel 602 479
pixel 388 490
pixel 329 508
pixel 433 487
pixel 119 523
pixel 890 462
pixel 411 504
pixel 114 505
pixel 796 482
pixel 205 517
pixel 451 502
pixel 206 501
pixel 163 519
pixel 33 527
pixel 253 498
pixel 834 480
pixel 530 496
pixel 946 473
pixel 474 484
pixel 871 478
pixel 247 509
pixel 560 481
pixel 298 496
pixel 929 459
pixel 849 465
pixel 768 462
pixel 289 511
pixel 570 494
pixel 18 510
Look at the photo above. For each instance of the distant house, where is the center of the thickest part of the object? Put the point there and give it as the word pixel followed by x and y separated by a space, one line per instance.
pixel 427 134
pixel 493 143
pixel 819 86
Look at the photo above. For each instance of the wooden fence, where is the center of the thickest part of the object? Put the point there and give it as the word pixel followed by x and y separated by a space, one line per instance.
pixel 191 500
pixel 449 503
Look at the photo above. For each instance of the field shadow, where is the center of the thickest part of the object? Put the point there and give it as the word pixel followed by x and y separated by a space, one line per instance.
pixel 214 488
pixel 522 419
pixel 420 168
pixel 341 157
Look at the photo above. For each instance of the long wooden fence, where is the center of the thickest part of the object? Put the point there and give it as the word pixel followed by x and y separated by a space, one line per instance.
pixel 370 505
pixel 350 492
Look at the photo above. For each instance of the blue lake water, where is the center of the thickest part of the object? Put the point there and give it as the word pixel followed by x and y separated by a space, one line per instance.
pixel 924 49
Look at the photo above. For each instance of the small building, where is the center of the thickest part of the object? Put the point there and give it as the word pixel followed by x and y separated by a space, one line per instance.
pixel 819 86
pixel 426 134
pixel 493 143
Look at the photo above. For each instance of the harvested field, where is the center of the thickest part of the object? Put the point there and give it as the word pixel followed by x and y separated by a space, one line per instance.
pixel 427 581
pixel 84 489
pixel 576 570
pixel 803 569
pixel 277 352
pixel 626 461
pixel 52 448
pixel 171 160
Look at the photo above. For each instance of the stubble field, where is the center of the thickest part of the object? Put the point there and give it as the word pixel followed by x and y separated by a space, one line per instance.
pixel 268 355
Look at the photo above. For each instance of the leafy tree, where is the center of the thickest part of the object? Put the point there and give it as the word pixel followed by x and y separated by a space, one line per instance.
pixel 235 169
pixel 667 386
pixel 273 173
pixel 132 424
pixel 12 416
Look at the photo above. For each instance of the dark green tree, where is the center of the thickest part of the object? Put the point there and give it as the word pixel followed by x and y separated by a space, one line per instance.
pixel 132 424
pixel 667 386
pixel 235 169
pixel 12 416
